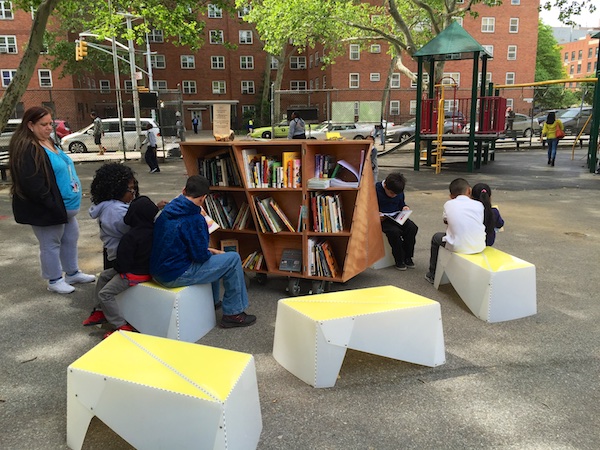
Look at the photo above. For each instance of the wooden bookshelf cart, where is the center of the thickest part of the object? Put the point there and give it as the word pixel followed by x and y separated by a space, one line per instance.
pixel 355 247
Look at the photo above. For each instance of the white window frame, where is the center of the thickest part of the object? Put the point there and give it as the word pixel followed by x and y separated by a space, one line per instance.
pixel 8 44
pixel 489 49
pixel 6 10
pixel 245 37
pixel 454 75
pixel 248 109
pixel 513 25
pixel 510 78
pixel 412 107
pixel 217 62
pixel 247 87
pixel 324 82
pixel 214 12
pixel 394 107
pixel 354 52
pixel 395 81
pixel 189 86
pixel 216 37
pixel 128 85
pixel 104 86
pixel 219 87
pixel 459 20
pixel 298 62
pixel 156 36
pixel 515 2
pixel 317 83
pixel 511 53
pixel 510 102
pixel 488 24
pixel 310 61
pixel 274 63
pixel 244 11
pixel 354 80
pixel 413 83
pixel 159 85
pixel 7 76
pixel 158 61
pixel 375 48
pixel 317 60
pixel 187 61
pixel 297 85
pixel 247 62
pixel 311 84
pixel 374 76
pixel 45 78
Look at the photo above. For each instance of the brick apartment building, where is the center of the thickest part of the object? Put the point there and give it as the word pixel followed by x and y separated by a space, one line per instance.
pixel 237 76
pixel 580 57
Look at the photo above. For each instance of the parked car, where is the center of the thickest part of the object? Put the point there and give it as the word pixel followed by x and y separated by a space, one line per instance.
pixel 281 131
pixel 541 117
pixel 346 130
pixel 7 133
pixel 523 126
pixel 402 132
pixel 62 128
pixel 574 120
pixel 81 141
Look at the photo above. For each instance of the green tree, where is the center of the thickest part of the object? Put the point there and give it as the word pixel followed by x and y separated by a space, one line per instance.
pixel 177 19
pixel 549 67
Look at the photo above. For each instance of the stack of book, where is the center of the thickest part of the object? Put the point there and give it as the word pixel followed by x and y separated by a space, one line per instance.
pixel 241 220
pixel 222 208
pixel 324 165
pixel 254 261
pixel 270 172
pixel 220 170
pixel 321 260
pixel 327 212
pixel 271 217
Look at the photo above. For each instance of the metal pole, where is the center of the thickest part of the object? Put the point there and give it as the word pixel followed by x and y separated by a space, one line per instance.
pixel 135 94
pixel 272 110
pixel 118 88
pixel 150 75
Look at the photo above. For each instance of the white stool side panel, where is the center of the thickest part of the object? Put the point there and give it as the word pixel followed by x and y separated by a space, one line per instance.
pixel 149 310
pixel 329 359
pixel 388 259
pixel 513 294
pixel 195 315
pixel 243 420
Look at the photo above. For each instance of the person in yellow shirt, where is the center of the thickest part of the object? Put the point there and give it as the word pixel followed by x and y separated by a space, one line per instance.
pixel 549 130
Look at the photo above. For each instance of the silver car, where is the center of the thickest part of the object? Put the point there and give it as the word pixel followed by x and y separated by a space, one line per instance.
pixel 346 130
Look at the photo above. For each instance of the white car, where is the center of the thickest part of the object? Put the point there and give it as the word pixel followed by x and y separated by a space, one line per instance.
pixel 83 140
pixel 346 130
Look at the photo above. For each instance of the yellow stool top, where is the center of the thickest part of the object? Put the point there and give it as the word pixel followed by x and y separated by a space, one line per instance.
pixel 336 305
pixel 496 260
pixel 189 369
pixel 155 285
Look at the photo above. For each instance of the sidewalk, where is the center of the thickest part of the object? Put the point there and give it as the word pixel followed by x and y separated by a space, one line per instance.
pixel 525 384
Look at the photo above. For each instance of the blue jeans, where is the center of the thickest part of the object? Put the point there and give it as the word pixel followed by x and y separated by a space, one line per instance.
pixel 552 146
pixel 227 266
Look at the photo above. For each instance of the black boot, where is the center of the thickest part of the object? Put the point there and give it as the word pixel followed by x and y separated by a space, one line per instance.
pixel 549 160
pixel 552 164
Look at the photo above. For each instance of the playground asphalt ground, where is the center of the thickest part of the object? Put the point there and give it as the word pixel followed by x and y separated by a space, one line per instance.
pixel 531 383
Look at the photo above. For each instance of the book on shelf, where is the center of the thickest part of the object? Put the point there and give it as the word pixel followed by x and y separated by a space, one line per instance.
pixel 251 159
pixel 254 261
pixel 301 218
pixel 332 263
pixel 291 260
pixel 288 164
pixel 222 207
pixel 398 216
pixel 281 214
pixel 229 245
pixel 212 225
pixel 327 212
pixel 241 219
pixel 318 183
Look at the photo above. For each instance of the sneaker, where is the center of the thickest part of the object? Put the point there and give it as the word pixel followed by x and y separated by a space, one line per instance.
pixel 409 263
pixel 400 267
pixel 96 318
pixel 154 170
pixel 60 286
pixel 125 327
pixel 429 277
pixel 80 277
pixel 237 320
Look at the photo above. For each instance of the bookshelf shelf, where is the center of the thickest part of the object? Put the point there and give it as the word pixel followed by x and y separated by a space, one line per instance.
pixel 275 208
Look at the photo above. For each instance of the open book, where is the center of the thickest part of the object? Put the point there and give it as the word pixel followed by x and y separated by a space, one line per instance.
pixel 212 225
pixel 398 216
pixel 352 178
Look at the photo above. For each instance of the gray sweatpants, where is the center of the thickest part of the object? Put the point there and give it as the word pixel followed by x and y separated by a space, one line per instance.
pixel 109 285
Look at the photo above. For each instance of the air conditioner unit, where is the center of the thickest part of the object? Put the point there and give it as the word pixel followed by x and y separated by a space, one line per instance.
pixel 301 66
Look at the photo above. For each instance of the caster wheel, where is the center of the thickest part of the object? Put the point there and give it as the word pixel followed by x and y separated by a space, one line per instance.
pixel 318 287
pixel 294 287
pixel 261 278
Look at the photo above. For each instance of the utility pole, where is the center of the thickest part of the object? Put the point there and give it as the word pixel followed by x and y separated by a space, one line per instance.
pixel 135 94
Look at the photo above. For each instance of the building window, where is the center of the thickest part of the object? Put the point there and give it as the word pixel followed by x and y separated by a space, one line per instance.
pixel 298 62
pixel 374 77
pixel 590 52
pixel 580 54
pixel 217 62
pixel 128 85
pixel 515 2
pixel 413 83
pixel 488 24
pixel 274 63
pixel 245 37
pixel 395 81
pixel 310 61
pixel 317 59
pixel 489 49
pixel 214 12
pixel 104 86
pixel 156 36
pixel 450 78
pixel 247 87
pixel 510 78
pixel 459 20
pixel 566 57
pixel 8 44
pixel 189 86
pixel 354 52
pixel 573 55
pixel 311 85
pixel 158 61
pixel 5 10
pixel 514 25
pixel 45 77
pixel 243 12
pixel 247 62
pixel 589 66
pixel 324 82
pixel 7 76
pixel 512 53
pixel 488 78
pixel 413 107
pixel 572 69
pixel 317 83
pixel 354 81
pixel 578 67
pixel 297 85
pixel 395 108
pixel 218 87
pixel 248 109
pixel 216 37
pixel 510 102
pixel 375 48
pixel 159 85
pixel 188 61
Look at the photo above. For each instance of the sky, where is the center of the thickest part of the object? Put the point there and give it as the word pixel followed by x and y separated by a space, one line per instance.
pixel 585 20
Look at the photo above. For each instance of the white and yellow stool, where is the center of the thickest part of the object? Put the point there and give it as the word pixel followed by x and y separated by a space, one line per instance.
pixel 494 285
pixel 313 332
pixel 185 313
pixel 159 393
pixel 388 260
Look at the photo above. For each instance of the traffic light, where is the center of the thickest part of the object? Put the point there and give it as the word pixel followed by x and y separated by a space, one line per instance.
pixel 80 50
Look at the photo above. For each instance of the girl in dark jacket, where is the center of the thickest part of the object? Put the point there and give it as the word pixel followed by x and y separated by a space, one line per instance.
pixel 46 194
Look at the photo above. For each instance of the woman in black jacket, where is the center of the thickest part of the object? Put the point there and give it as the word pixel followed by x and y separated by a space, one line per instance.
pixel 46 194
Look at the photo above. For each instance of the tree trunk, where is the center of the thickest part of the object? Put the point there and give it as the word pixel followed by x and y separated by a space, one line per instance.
pixel 20 81
pixel 265 105
pixel 281 60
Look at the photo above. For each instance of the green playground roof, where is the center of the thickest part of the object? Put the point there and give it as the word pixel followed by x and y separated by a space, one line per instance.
pixel 453 43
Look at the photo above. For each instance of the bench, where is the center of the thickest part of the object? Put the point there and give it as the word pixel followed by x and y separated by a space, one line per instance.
pixel 493 284
pixel 159 393
pixel 4 167
pixel 185 313
pixel 312 333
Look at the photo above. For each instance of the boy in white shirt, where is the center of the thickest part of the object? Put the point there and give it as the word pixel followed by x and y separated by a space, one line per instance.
pixel 465 232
